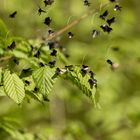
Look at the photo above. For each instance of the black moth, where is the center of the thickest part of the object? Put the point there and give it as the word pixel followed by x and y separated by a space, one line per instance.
pixel 12 46
pixel 58 71
pixel 95 33
pixel 48 21
pixel 48 2
pixel 26 70
pixel 86 3
pixel 92 74
pixel 84 70
pixel 41 64
pixel 51 45
pixel 109 62
pixel 37 54
pixel 106 28
pixel 52 63
pixel 112 64
pixel 70 34
pixel 16 61
pixel 50 31
pixel 92 82
pixel 45 98
pixel 13 14
pixel 40 11
pixel 27 82
pixel 69 67
pixel 104 15
pixel 53 53
pixel 35 90
pixel 112 0
pixel 117 8
pixel 110 21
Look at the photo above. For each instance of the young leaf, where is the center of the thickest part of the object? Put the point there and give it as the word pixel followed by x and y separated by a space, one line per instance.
pixel 10 128
pixel 0 76
pixel 81 82
pixel 43 79
pixel 3 29
pixel 2 93
pixel 13 86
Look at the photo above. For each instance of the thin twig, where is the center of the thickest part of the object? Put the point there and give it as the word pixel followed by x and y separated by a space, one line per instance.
pixel 75 22
pixel 5 58
pixel 66 28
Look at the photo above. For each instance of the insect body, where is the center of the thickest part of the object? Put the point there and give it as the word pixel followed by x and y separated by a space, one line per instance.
pixel 104 15
pixel 12 46
pixel 48 2
pixel 40 11
pixel 106 28
pixel 70 34
pixel 13 14
pixel 48 21
pixel 86 3
pixel 117 8
pixel 110 21
pixel 53 53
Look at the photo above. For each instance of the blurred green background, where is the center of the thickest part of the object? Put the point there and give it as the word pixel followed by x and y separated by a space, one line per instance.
pixel 70 115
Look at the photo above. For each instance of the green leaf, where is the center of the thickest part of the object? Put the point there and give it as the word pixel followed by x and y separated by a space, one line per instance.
pixel 37 97
pixel 0 75
pixel 81 82
pixel 2 93
pixel 13 87
pixel 43 79
pixel 12 131
pixel 96 99
pixel 12 127
pixel 3 29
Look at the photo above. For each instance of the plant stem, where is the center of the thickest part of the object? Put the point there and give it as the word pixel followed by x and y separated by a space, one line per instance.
pixel 75 22
pixel 5 58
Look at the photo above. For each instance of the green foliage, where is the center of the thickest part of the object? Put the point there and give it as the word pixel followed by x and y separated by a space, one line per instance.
pixel 43 80
pixel 29 80
pixel 80 81
pixel 3 30
pixel 13 86
pixel 21 58
pixel 9 127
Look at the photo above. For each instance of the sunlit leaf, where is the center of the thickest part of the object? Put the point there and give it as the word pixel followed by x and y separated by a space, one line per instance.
pixel 13 87
pixel 43 79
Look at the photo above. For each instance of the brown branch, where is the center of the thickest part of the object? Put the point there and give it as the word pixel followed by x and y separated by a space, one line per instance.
pixel 66 28
pixel 75 22
pixel 5 58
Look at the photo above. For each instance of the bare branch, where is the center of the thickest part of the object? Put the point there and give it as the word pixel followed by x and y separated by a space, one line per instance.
pixel 75 22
